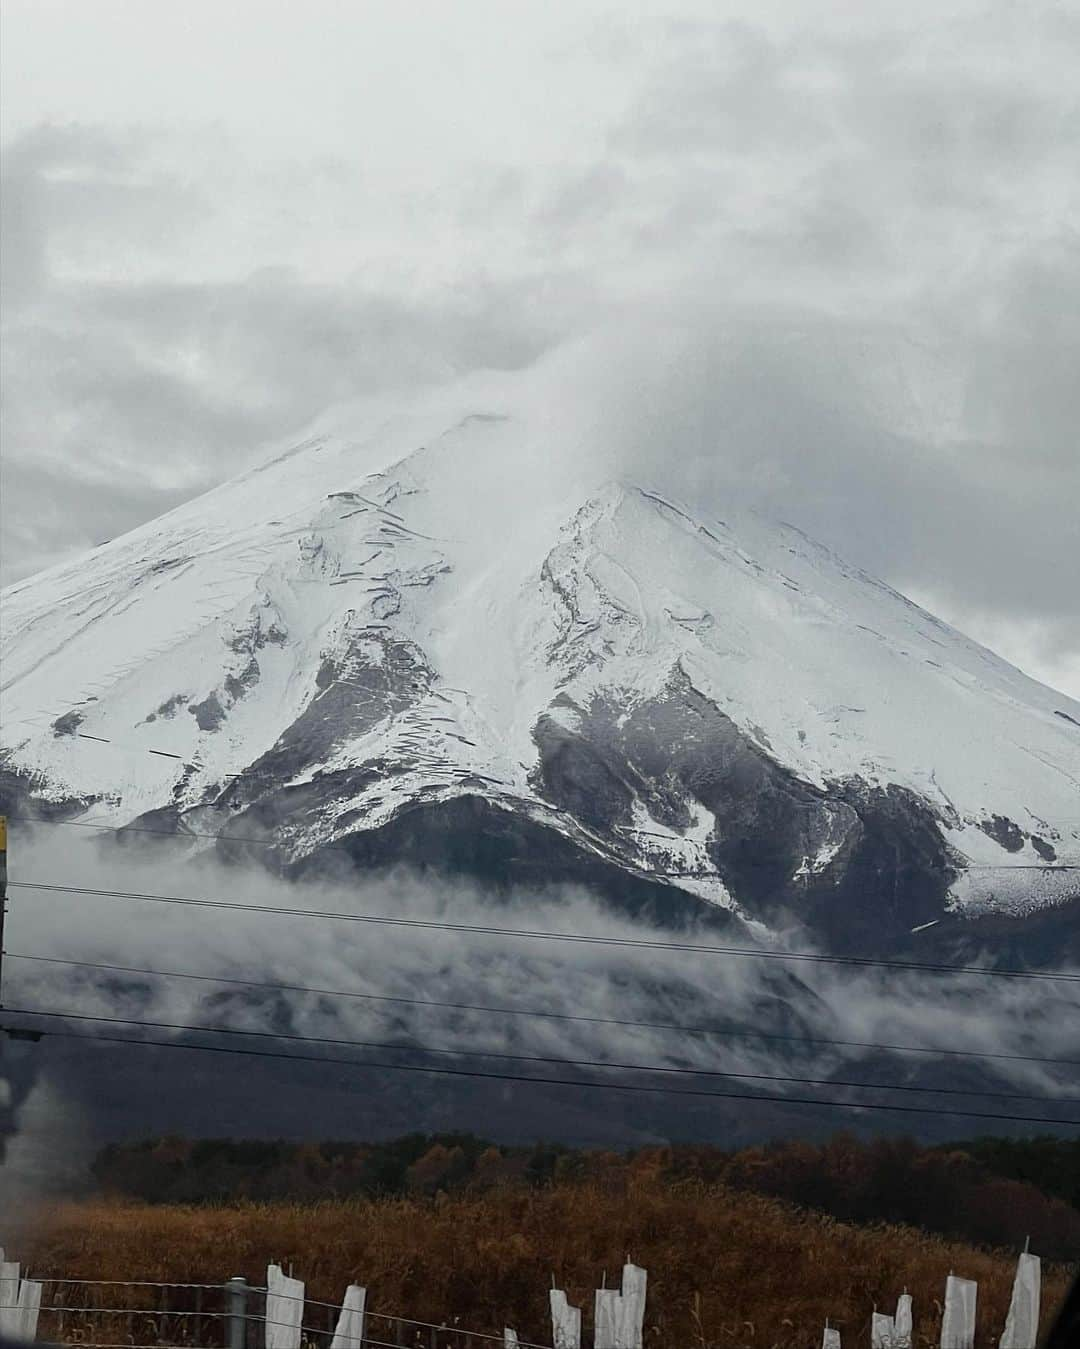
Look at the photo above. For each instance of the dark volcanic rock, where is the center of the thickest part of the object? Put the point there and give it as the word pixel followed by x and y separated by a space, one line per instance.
pixel 855 865
pixel 1012 838
pixel 68 724
pixel 1045 850
pixel 20 796
pixel 377 677
pixel 895 878
pixel 168 708
pixel 859 865
pixel 208 714
pixel 503 850
pixel 1004 832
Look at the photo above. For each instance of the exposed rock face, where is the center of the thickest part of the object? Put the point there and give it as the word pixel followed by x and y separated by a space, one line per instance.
pixel 878 864
pixel 415 644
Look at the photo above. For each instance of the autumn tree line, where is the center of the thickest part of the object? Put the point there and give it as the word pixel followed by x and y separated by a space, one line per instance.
pixel 984 1190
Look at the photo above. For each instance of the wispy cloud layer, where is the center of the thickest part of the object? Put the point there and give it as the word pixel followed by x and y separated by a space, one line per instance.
pixel 624 984
pixel 841 260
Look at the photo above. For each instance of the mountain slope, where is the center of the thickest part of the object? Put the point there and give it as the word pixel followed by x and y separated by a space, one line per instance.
pixel 448 637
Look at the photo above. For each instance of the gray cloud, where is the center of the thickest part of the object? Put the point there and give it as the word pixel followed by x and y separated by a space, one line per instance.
pixel 124 395
pixel 833 430
pixel 993 1016
pixel 846 260
pixel 618 984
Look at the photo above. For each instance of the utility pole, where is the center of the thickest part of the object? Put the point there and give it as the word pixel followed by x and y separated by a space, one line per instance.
pixel 12 1033
pixel 3 898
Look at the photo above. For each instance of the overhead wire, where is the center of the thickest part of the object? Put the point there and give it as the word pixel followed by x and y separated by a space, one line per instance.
pixel 572 1083
pixel 555 1061
pixel 578 938
pixel 736 1032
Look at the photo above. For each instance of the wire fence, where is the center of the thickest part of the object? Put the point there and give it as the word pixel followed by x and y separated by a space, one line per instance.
pixel 109 1314
pixel 145 1314
pixel 101 1312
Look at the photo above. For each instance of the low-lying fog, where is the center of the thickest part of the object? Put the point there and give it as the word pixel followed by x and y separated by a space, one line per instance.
pixel 405 975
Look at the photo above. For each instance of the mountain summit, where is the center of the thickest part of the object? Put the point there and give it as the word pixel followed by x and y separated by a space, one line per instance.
pixel 448 638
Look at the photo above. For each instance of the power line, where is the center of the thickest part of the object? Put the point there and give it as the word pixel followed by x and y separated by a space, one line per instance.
pixel 723 1031
pixel 537 1058
pixel 122 829
pixel 575 1083
pixel 427 924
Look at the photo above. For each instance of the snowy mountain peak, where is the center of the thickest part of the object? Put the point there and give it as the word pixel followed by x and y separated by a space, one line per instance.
pixel 454 622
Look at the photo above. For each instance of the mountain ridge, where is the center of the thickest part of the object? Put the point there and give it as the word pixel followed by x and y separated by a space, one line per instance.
pixel 451 606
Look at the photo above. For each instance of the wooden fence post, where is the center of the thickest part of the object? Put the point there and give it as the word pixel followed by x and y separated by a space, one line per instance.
pixel 284 1309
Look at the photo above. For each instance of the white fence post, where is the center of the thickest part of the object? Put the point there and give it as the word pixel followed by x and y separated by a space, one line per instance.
pixel 284 1309
pixel 20 1302
pixel 25 1326
pixel 1022 1323
pixel 882 1331
pixel 830 1338
pixel 510 1338
pixel 9 1294
pixel 607 1316
pixel 904 1326
pixel 565 1322
pixel 958 1323
pixel 632 1327
pixel 349 1332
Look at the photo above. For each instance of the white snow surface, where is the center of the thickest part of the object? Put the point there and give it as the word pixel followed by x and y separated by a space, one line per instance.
pixel 480 525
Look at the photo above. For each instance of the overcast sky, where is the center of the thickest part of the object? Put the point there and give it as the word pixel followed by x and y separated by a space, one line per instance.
pixel 840 246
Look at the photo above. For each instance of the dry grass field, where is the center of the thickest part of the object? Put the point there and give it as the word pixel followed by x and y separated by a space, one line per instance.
pixel 725 1268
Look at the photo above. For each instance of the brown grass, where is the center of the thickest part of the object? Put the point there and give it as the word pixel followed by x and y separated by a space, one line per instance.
pixel 725 1269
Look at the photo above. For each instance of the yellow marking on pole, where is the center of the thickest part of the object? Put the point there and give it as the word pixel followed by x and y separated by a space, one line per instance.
pixel 3 833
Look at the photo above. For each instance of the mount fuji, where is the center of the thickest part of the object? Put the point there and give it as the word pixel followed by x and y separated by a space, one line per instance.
pixel 447 637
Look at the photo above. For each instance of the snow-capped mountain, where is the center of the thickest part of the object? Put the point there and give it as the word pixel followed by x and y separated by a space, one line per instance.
pixel 446 636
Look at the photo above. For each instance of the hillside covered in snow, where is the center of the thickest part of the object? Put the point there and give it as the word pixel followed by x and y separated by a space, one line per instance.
pixel 445 635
